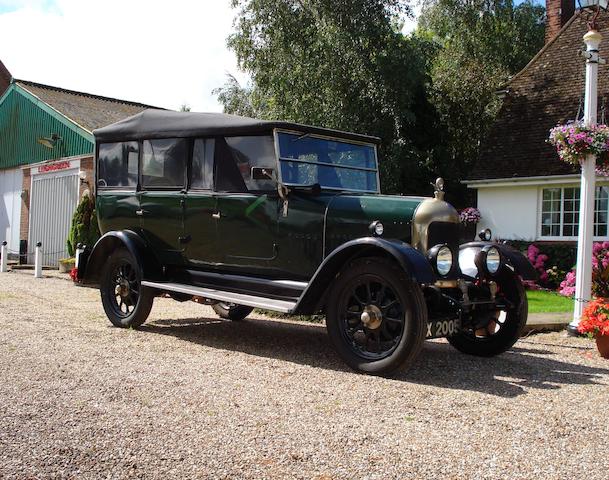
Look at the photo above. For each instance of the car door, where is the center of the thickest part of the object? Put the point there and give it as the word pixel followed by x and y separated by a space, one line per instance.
pixel 247 205
pixel 117 177
pixel 163 174
pixel 200 213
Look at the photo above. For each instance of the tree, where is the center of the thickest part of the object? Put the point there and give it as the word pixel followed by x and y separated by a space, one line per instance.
pixel 84 228
pixel 341 64
pixel 481 44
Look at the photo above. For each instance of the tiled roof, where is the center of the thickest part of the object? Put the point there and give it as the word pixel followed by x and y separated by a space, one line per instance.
pixel 548 91
pixel 87 110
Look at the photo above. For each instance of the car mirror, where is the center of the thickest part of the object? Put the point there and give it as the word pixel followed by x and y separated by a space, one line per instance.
pixel 263 173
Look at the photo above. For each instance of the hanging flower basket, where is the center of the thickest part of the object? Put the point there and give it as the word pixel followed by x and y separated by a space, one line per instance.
pixel 469 217
pixel 574 141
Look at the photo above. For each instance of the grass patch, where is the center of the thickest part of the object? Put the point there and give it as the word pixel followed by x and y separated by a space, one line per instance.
pixel 542 301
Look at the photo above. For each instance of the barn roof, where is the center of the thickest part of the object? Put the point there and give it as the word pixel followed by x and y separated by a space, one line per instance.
pixel 85 109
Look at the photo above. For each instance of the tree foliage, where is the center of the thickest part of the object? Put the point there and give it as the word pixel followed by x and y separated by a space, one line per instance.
pixel 84 228
pixel 337 63
pixel 482 43
pixel 345 64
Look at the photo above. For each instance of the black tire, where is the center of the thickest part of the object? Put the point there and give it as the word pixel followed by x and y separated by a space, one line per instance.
pixel 127 304
pixel 506 332
pixel 396 316
pixel 230 311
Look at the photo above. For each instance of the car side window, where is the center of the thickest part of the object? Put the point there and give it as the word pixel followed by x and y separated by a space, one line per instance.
pixel 117 164
pixel 253 152
pixel 164 162
pixel 202 177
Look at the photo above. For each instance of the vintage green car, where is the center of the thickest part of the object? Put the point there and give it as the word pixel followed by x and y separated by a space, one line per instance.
pixel 240 213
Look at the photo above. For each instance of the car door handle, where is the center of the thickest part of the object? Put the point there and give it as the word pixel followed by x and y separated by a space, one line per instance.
pixel 184 240
pixel 140 212
pixel 216 215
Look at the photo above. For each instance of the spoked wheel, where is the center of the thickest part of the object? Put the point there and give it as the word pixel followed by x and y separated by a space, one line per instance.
pixel 231 311
pixel 125 301
pixel 376 316
pixel 493 332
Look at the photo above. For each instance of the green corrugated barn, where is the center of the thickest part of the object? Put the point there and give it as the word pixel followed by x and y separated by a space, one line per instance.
pixel 46 159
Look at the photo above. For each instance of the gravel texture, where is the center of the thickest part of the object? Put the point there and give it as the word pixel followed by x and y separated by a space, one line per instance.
pixel 189 396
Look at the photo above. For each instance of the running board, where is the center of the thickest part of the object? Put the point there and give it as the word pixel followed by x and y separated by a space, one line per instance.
pixel 282 306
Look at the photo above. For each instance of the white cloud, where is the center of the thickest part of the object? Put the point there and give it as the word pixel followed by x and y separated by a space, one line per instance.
pixel 160 53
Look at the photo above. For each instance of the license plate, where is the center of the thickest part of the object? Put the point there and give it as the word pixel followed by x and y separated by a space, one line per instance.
pixel 442 328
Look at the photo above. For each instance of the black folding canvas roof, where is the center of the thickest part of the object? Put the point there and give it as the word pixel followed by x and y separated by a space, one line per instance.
pixel 163 124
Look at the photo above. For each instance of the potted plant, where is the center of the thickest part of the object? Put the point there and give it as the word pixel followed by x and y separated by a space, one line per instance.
pixel 595 323
pixel 470 217
pixel 573 141
pixel 66 264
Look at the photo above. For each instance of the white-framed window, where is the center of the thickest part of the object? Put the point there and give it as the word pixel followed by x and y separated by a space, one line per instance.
pixel 560 212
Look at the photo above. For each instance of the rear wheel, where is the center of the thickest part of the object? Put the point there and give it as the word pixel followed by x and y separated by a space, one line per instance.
pixel 126 302
pixel 494 332
pixel 376 316
pixel 231 311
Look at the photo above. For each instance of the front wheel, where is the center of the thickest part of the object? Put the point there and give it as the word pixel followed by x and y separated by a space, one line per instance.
pixel 493 332
pixel 231 311
pixel 126 302
pixel 376 316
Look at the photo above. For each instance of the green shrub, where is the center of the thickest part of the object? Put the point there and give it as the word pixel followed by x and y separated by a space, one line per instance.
pixel 84 227
pixel 563 256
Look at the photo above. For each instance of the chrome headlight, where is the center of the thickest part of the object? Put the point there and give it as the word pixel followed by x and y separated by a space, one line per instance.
pixel 441 258
pixel 493 260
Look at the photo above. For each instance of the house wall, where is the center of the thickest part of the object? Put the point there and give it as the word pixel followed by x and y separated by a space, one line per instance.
pixel 10 207
pixel 510 212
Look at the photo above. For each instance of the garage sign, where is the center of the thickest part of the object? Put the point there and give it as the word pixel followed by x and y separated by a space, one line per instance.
pixel 54 167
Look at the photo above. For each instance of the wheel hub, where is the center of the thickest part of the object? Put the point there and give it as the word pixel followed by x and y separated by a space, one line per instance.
pixel 372 317
pixel 123 288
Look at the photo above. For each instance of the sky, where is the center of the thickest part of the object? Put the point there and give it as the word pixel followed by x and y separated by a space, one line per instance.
pixel 160 53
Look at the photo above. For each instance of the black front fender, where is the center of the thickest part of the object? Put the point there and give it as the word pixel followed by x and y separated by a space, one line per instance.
pixel 513 258
pixel 92 263
pixel 408 258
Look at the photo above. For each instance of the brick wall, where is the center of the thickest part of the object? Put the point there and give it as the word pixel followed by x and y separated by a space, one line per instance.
pixel 86 165
pixel 558 12
pixel 5 78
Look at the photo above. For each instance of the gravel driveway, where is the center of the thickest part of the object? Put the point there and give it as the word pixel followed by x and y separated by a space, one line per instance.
pixel 189 396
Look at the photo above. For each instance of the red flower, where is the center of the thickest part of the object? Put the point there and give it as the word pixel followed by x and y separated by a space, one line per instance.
pixel 595 318
pixel 73 274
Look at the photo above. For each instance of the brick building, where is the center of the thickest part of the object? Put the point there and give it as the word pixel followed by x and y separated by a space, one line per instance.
pixel 46 159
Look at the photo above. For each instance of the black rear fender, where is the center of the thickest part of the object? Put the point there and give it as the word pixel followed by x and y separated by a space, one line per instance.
pixel 407 257
pixel 92 262
pixel 515 260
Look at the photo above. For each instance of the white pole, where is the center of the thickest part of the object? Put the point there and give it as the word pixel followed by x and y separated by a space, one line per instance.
pixel 38 261
pixel 583 282
pixel 3 261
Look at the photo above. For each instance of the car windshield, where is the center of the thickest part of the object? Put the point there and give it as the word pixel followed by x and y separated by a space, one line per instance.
pixel 333 164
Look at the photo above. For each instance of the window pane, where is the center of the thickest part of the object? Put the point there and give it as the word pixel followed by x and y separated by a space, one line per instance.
pixel 250 152
pixel 551 214
pixel 203 164
pixel 308 174
pixel 117 164
pixel 164 162
pixel 306 160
